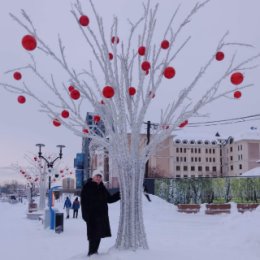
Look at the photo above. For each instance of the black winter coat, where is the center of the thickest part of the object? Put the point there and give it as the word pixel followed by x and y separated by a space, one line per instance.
pixel 94 199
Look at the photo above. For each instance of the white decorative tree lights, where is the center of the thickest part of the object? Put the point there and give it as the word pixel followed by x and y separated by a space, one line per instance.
pixel 133 70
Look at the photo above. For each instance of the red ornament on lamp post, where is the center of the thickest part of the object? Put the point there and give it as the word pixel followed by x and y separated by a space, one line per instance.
pixel 146 66
pixel 70 88
pixel 29 42
pixel 141 50
pixel 96 118
pixel 237 94
pixel 56 122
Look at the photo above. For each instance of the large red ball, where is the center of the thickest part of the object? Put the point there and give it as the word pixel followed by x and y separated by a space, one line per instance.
pixel 237 78
pixel 96 118
pixel 108 92
pixel 56 122
pixel 165 44
pixel 141 50
pixel 75 94
pixel 84 20
pixel 237 94
pixel 65 114
pixel 21 99
pixel 29 42
pixel 17 75
pixel 220 56
pixel 131 91
pixel 169 72
pixel 183 124
pixel 146 65
pixel 115 40
pixel 85 131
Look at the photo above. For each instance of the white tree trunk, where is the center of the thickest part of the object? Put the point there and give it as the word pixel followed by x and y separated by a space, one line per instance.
pixel 42 187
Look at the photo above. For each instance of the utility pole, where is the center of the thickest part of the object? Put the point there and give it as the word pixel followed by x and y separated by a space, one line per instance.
pixel 148 134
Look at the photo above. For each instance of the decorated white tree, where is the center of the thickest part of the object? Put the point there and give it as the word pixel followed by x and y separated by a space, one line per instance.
pixel 133 70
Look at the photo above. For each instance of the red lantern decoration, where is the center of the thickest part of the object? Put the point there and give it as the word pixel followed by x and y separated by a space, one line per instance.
pixel 165 44
pixel 108 92
pixel 96 118
pixel 29 42
pixel 183 124
pixel 56 122
pixel 131 91
pixel 84 20
pixel 169 72
pixel 17 75
pixel 110 56
pixel 65 114
pixel 146 66
pixel 70 88
pixel 237 78
pixel 115 40
pixel 141 50
pixel 75 94
pixel 237 94
pixel 220 56
pixel 85 131
pixel 21 99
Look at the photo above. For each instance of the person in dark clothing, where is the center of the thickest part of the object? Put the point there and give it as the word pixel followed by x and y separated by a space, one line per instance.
pixel 75 207
pixel 94 199
pixel 146 193
pixel 67 206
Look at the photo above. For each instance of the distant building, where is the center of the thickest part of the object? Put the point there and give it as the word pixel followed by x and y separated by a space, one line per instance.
pixel 68 184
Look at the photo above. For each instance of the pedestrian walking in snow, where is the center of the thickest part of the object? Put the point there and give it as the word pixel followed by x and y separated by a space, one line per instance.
pixel 94 199
pixel 67 206
pixel 146 194
pixel 75 207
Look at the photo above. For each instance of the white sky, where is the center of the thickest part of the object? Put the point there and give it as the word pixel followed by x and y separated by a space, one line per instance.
pixel 22 126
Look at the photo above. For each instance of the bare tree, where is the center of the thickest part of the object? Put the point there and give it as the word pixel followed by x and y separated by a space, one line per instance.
pixel 133 70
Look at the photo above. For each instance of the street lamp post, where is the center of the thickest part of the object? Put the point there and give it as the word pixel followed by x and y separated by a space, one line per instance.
pixel 49 165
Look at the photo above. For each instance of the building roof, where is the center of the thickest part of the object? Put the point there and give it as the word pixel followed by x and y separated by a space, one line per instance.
pixel 248 135
pixel 252 172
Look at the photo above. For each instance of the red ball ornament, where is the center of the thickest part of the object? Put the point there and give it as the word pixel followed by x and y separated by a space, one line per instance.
pixel 165 44
pixel 85 131
pixel 169 72
pixel 75 94
pixel 141 50
pixel 56 122
pixel 237 94
pixel 65 114
pixel 21 99
pixel 35 158
pixel 220 56
pixel 115 40
pixel 183 124
pixel 237 78
pixel 84 20
pixel 146 72
pixel 29 42
pixel 108 92
pixel 70 88
pixel 17 75
pixel 102 102
pixel 110 56
pixel 146 65
pixel 96 118
pixel 131 91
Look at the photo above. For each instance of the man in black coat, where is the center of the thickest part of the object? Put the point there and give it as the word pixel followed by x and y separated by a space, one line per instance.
pixel 94 199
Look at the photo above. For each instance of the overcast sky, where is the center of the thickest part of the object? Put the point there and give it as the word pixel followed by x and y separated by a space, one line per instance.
pixel 22 126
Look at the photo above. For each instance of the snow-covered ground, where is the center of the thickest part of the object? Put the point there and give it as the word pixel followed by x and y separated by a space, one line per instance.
pixel 171 235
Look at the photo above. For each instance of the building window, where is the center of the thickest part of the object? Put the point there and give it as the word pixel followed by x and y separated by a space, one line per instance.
pixel 195 159
pixel 206 150
pixel 192 159
pixel 213 150
pixel 214 168
pixel 240 166
pixel 207 168
pixel 195 150
pixel 192 168
pixel 210 150
pixel 199 151
pixel 185 168
pixel 231 158
pixel 185 176
pixel 231 149
pixel 200 168
pixel 178 176
pixel 177 150
pixel 210 159
pixel 207 159
pixel 178 168
pixel 177 158
pixel 191 150
pixel 181 159
pixel 184 150
pixel 214 159
pixel 199 159
pixel 184 159
pixel 231 167
pixel 180 150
